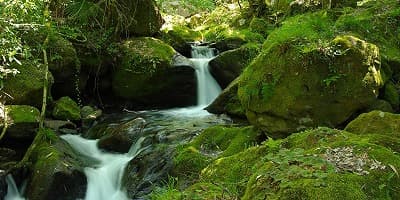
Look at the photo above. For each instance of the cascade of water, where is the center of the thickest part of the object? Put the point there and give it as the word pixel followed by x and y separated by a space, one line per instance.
pixel 207 87
pixel 12 191
pixel 104 180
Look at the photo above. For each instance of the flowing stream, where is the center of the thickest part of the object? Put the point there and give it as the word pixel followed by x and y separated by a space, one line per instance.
pixel 172 125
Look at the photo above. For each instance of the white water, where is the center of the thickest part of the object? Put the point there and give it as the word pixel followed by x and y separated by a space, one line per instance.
pixel 207 87
pixel 13 193
pixel 104 180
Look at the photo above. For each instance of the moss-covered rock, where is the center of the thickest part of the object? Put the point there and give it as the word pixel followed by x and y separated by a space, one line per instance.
pixel 378 23
pixel 228 102
pixel 326 164
pixel 179 37
pixel 56 171
pixel 391 95
pixel 146 75
pixel 66 109
pixel 23 121
pixel 64 65
pixel 376 122
pixel 26 88
pixel 214 142
pixel 228 65
pixel 298 82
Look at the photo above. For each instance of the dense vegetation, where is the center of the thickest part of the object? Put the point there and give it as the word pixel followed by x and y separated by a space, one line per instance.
pixel 313 87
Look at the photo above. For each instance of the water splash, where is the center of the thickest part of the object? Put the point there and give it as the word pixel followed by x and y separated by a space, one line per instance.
pixel 104 179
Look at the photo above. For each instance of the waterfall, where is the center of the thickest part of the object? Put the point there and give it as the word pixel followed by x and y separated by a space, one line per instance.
pixel 207 87
pixel 104 179
pixel 13 193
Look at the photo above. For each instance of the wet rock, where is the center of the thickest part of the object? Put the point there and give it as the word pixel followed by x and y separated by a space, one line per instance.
pixel 89 116
pixel 121 137
pixel 145 171
pixel 59 124
pixel 23 122
pixel 66 109
pixel 56 170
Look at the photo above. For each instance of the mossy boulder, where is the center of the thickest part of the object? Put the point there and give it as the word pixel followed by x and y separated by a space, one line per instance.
pixel 22 120
pixel 376 122
pixel 288 88
pixel 212 143
pixel 320 163
pixel 26 88
pixel 228 65
pixel 378 23
pixel 228 102
pixel 147 77
pixel 64 65
pixel 66 109
pixel 392 95
pixel 56 170
pixel 179 37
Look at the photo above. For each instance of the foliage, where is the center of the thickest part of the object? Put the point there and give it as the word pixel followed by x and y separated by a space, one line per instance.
pixel 16 19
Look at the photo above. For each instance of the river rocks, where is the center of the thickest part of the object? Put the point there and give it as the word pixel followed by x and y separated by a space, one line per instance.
pixel 229 65
pixel 26 88
pixel 146 75
pixel 56 171
pixel 23 122
pixel 66 109
pixel 228 102
pixel 146 170
pixel 284 90
pixel 121 137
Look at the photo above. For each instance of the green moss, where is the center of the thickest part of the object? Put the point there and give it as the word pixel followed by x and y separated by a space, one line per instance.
pixel 187 34
pixel 213 142
pixel 22 114
pixel 378 22
pixel 143 67
pixel 391 95
pixel 66 109
pixel 188 163
pixel 26 88
pixel 376 122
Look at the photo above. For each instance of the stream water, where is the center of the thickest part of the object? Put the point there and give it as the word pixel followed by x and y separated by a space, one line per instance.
pixel 169 127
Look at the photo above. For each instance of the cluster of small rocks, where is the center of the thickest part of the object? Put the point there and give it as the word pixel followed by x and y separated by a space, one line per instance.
pixel 344 160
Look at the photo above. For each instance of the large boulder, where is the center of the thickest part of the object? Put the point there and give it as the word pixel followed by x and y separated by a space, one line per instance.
pixel 287 89
pixel 146 76
pixel 22 120
pixel 64 65
pixel 26 88
pixel 229 65
pixel 56 170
